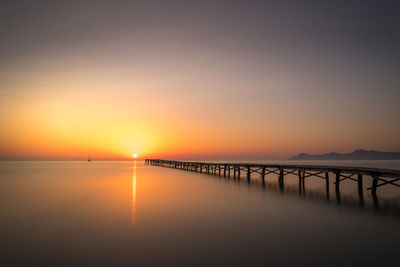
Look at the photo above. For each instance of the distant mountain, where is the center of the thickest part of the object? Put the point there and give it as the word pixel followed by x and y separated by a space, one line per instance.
pixel 355 155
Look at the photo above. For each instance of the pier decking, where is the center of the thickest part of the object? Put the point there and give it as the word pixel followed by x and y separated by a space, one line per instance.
pixel 380 177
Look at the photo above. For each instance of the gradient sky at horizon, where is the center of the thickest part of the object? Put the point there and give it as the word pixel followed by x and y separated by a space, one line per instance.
pixel 198 79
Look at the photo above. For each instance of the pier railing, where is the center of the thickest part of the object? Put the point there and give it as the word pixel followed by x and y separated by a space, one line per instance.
pixel 380 177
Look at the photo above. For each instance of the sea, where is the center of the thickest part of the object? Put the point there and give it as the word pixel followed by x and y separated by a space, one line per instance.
pixel 110 213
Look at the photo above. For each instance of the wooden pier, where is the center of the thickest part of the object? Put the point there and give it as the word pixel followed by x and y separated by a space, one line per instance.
pixel 379 177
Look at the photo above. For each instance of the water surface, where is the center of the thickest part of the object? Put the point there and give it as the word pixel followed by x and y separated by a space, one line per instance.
pixel 127 213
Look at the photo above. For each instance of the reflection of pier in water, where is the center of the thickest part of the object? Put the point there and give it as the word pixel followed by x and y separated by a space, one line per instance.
pixel 378 177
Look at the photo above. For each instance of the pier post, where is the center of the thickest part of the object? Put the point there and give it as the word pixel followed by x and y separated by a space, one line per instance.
pixel 238 172
pixel 234 171
pixel 337 188
pixel 299 174
pixel 229 171
pixel 219 170
pixel 375 201
pixel 338 197
pixel 281 186
pixel 374 184
pixel 248 174
pixel 337 180
pixel 360 189
pixel 263 173
pixel 224 170
pixel 327 185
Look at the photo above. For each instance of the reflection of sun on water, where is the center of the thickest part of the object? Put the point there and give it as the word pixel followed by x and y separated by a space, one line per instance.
pixel 133 218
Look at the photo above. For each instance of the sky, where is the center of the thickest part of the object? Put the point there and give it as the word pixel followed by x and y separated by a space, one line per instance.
pixel 198 79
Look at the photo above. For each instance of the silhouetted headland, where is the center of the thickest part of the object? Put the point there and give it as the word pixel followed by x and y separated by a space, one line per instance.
pixel 355 155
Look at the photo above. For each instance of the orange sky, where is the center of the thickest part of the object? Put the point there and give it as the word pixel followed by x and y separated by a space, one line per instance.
pixel 187 83
pixel 67 113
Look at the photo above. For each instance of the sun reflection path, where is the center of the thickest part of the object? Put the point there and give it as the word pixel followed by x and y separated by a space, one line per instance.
pixel 133 214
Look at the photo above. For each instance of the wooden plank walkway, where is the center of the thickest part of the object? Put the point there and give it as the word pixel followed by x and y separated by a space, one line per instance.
pixel 380 177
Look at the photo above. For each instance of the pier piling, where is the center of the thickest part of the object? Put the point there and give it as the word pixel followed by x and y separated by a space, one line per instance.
pixel 380 177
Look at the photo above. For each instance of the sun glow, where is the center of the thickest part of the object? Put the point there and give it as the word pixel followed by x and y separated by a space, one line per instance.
pixel 134 155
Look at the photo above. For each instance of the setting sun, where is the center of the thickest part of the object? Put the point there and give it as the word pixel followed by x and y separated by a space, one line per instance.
pixel 134 155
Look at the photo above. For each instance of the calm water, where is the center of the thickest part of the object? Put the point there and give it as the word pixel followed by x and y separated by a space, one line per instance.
pixel 129 214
